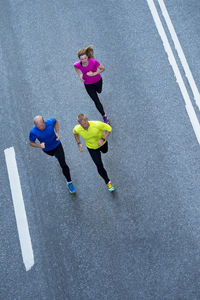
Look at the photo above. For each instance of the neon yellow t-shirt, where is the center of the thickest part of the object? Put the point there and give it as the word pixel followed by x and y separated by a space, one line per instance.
pixel 94 133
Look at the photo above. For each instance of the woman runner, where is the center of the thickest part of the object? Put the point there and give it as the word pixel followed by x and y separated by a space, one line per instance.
pixel 90 75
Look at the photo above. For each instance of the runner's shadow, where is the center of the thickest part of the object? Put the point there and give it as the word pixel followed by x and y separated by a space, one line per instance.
pixel 114 197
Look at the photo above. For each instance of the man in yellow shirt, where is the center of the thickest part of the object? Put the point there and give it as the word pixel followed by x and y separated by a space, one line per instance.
pixel 95 134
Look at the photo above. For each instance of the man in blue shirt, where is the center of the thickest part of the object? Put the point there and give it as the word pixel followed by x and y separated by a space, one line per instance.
pixel 47 133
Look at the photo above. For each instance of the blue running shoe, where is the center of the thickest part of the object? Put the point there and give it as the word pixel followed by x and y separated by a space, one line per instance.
pixel 71 187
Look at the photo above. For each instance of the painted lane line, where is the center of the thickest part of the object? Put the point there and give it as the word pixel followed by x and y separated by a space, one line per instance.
pixel 180 52
pixel 189 108
pixel 20 213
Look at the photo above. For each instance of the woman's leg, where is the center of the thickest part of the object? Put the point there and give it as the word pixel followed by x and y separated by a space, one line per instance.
pixel 99 86
pixel 91 90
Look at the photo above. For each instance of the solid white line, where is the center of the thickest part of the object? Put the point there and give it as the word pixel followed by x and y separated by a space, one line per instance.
pixel 189 108
pixel 180 52
pixel 20 213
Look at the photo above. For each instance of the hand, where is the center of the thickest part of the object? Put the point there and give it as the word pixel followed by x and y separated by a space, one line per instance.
pixel 57 136
pixel 80 147
pixel 100 142
pixel 81 77
pixel 90 73
pixel 42 145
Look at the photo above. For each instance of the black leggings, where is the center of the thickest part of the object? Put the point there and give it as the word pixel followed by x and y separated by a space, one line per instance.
pixel 58 152
pixel 92 90
pixel 96 157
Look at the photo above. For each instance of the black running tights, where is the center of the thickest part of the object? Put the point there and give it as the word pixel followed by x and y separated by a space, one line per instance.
pixel 96 157
pixel 92 90
pixel 58 152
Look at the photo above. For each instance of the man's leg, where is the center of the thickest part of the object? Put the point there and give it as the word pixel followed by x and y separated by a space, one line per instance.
pixel 104 148
pixel 96 157
pixel 59 154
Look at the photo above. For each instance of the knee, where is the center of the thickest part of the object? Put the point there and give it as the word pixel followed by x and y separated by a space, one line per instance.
pixel 104 151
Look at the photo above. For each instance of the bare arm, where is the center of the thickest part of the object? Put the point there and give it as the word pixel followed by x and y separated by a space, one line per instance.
pixel 36 145
pixel 79 74
pixel 101 68
pixel 77 138
pixel 106 134
pixel 101 141
pixel 56 127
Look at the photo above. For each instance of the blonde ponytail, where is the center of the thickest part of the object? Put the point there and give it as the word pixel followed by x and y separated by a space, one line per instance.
pixel 89 51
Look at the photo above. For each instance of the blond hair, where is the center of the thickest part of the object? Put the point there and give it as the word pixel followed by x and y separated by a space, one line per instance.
pixel 89 51
pixel 80 117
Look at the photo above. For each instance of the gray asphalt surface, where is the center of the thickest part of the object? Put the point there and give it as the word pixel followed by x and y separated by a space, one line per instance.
pixel 143 241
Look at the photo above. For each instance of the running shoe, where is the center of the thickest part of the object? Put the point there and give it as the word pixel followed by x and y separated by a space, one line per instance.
pixel 105 119
pixel 71 187
pixel 110 187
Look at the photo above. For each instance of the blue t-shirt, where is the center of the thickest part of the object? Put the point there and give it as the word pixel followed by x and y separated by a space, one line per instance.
pixel 46 136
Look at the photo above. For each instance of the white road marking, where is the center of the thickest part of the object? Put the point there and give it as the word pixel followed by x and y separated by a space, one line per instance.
pixel 189 108
pixel 20 213
pixel 180 52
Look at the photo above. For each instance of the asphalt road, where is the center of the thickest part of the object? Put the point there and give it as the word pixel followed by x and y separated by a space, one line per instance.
pixel 142 241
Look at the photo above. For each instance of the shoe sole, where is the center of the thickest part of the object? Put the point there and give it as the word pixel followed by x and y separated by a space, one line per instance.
pixel 72 192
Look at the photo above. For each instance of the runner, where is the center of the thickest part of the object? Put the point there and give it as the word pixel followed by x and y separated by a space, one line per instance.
pixel 47 132
pixel 95 134
pixel 91 77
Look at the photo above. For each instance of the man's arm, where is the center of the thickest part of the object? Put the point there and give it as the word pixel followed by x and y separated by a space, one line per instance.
pixel 36 145
pixel 102 140
pixel 56 127
pixel 77 138
pixel 106 134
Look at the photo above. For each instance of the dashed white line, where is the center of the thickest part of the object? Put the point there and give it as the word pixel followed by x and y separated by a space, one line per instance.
pixel 189 108
pixel 20 213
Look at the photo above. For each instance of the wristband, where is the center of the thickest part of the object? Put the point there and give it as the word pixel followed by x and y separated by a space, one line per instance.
pixel 79 143
pixel 103 139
